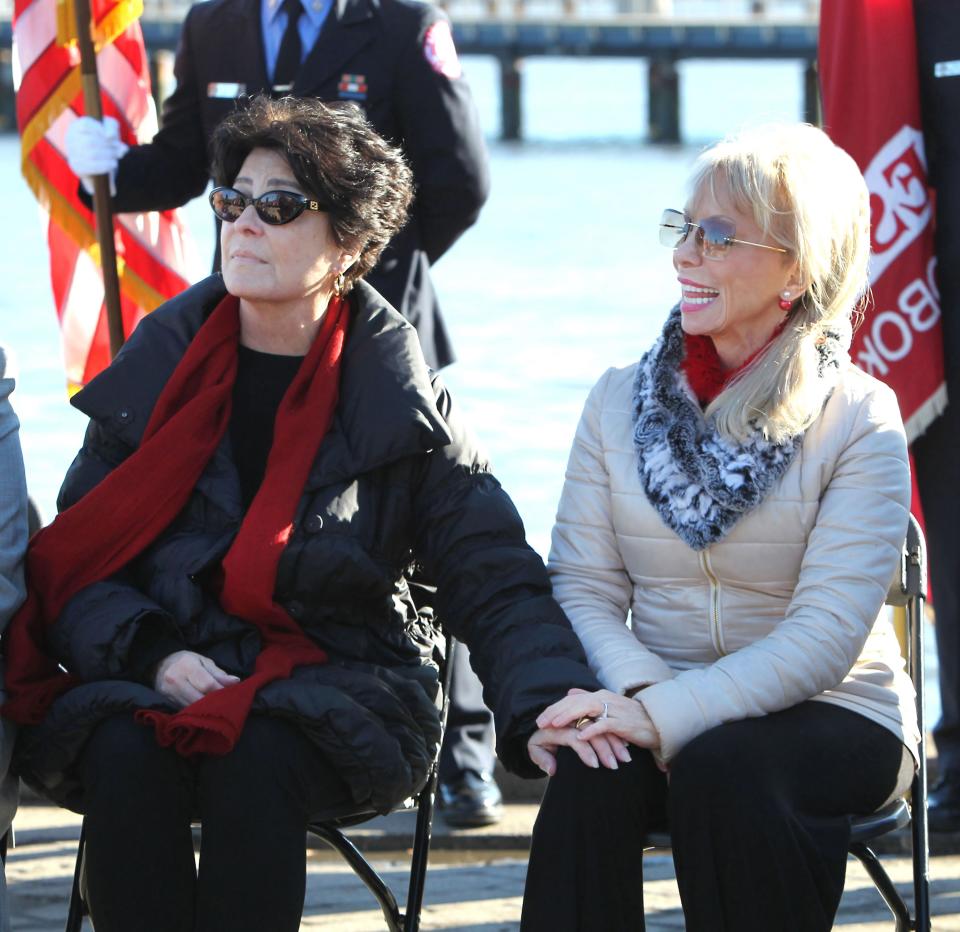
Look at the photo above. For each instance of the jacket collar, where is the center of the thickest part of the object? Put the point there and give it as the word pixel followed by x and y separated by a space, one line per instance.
pixel 351 25
pixel 386 408
pixel 700 482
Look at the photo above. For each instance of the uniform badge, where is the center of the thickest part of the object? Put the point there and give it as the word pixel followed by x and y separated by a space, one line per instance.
pixel 352 87
pixel 440 52
pixel 225 89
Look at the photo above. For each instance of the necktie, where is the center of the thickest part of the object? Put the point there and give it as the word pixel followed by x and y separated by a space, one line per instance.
pixel 288 59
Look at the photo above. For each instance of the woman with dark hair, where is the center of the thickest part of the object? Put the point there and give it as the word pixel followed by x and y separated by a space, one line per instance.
pixel 228 584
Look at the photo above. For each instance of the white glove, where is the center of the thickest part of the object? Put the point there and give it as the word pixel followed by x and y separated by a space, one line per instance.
pixel 94 148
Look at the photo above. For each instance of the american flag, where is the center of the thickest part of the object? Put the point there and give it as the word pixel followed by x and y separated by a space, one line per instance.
pixel 152 248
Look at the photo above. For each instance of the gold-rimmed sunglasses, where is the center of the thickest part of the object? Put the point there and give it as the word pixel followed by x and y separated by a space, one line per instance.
pixel 714 235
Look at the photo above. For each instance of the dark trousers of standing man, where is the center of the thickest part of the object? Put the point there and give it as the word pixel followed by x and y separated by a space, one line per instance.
pixel 759 814
pixel 469 739
pixel 468 795
pixel 936 457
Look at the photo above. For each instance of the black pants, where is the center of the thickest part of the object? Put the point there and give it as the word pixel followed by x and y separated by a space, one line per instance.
pixel 758 813
pixel 254 804
pixel 938 478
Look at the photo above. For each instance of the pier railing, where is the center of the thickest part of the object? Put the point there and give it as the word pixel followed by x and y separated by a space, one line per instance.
pixel 758 10
pixel 661 32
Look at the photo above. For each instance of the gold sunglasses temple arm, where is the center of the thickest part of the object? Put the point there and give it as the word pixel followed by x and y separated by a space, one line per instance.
pixel 746 242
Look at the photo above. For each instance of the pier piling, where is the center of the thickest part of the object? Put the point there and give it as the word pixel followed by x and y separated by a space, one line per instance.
pixel 663 90
pixel 511 98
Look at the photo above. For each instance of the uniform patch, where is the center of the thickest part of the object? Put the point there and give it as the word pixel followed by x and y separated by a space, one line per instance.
pixel 225 89
pixel 352 87
pixel 440 52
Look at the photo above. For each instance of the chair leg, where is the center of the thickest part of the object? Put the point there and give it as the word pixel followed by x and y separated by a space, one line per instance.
pixel 918 791
pixel 424 829
pixel 884 885
pixel 349 852
pixel 920 847
pixel 77 909
pixel 421 853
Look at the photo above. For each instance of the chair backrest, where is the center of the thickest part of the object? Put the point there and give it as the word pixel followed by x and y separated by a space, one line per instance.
pixel 910 580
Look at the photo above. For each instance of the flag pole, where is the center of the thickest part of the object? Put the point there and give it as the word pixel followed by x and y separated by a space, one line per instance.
pixel 101 183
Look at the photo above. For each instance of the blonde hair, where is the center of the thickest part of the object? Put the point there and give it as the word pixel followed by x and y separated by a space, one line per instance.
pixel 808 196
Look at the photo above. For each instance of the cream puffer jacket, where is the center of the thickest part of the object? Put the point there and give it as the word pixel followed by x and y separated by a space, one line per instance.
pixel 786 607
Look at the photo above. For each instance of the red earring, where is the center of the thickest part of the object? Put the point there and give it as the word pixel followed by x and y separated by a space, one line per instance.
pixel 785 302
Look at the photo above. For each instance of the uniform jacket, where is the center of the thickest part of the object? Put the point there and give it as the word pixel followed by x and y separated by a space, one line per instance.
pixel 397 482
pixel 430 116
pixel 781 609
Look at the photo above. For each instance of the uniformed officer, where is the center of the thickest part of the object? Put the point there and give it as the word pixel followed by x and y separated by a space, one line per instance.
pixel 397 60
pixel 935 453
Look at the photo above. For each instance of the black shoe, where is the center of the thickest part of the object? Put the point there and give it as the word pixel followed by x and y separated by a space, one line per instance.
pixel 470 800
pixel 943 804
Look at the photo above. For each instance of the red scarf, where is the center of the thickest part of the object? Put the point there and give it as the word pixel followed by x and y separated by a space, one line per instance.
pixel 703 369
pixel 97 536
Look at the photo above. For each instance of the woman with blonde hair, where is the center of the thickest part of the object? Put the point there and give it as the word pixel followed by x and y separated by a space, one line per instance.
pixel 741 494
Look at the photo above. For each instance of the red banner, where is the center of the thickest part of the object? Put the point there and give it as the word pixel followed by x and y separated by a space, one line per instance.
pixel 871 103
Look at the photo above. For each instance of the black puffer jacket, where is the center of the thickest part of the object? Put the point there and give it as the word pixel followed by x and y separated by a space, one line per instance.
pixel 397 483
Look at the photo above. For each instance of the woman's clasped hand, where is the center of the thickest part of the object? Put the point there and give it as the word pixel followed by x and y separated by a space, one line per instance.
pixel 185 676
pixel 598 744
pixel 616 716
pixel 598 726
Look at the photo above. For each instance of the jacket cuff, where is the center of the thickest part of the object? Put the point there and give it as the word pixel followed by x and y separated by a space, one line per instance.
pixel 151 644
pixel 675 714
pixel 634 673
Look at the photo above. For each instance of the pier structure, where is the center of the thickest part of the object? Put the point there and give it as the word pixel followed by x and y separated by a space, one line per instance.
pixel 660 32
pixel 661 41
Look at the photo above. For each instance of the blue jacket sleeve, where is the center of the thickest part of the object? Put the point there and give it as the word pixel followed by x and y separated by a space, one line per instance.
pixel 13 544
pixel 13 504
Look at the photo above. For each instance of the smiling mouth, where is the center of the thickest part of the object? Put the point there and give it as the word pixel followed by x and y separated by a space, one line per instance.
pixel 698 297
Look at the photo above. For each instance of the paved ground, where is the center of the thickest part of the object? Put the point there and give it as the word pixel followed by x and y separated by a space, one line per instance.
pixel 475 880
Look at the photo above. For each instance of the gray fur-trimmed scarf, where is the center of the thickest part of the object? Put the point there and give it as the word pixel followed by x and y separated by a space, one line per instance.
pixel 701 483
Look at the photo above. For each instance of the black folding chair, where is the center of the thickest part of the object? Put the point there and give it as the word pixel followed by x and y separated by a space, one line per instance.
pixel 332 832
pixel 908 591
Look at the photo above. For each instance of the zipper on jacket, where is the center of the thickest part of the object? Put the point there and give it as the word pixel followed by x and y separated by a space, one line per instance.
pixel 716 633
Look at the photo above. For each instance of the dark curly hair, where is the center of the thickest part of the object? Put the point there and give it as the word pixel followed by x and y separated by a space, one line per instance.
pixel 336 157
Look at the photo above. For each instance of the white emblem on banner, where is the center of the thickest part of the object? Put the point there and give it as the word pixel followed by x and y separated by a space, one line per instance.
pixel 900 207
pixel 440 52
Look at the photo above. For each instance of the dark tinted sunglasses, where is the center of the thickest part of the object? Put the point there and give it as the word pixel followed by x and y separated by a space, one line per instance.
pixel 714 235
pixel 273 207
